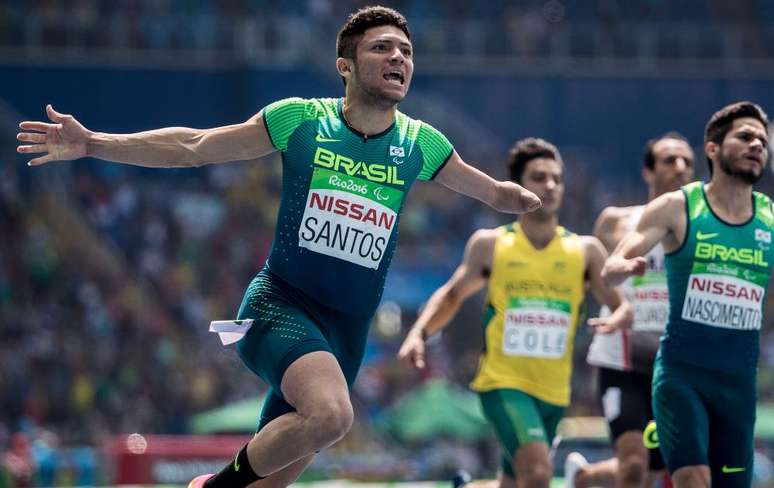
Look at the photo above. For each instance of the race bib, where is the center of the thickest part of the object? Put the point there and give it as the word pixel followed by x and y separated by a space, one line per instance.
pixel 724 295
pixel 536 327
pixel 650 299
pixel 349 218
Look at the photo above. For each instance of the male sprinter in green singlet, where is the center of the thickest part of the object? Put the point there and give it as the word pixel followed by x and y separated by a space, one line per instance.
pixel 717 241
pixel 347 166
pixel 625 358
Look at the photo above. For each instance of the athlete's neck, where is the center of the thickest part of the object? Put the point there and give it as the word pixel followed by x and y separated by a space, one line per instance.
pixel 367 118
pixel 539 229
pixel 729 198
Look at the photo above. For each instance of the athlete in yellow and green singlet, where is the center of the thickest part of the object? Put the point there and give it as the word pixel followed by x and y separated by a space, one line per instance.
pixel 536 272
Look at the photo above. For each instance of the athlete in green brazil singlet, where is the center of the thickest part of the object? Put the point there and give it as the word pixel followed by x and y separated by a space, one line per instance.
pixel 347 166
pixel 342 195
pixel 624 359
pixel 336 232
pixel 719 277
pixel 717 240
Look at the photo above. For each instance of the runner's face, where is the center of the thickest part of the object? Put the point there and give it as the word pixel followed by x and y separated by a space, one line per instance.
pixel 384 64
pixel 672 166
pixel 545 178
pixel 745 150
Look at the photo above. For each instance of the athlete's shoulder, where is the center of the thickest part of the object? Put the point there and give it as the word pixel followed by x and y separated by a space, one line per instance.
pixel 283 117
pixel 323 106
pixel 667 211
pixel 579 241
pixel 593 249
pixel 697 185
pixel 418 129
pixel 762 198
pixel 404 118
pixel 590 242
pixel 565 232
pixel 486 236
pixel 435 148
pixel 613 223
pixel 764 208
pixel 304 107
pixel 674 199
pixel 614 215
pixel 480 247
pixel 496 231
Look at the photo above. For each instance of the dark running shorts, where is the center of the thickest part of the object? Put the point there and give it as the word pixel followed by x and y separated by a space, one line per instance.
pixel 289 324
pixel 705 417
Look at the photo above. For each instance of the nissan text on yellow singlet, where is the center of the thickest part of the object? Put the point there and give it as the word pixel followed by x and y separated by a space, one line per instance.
pixel 531 316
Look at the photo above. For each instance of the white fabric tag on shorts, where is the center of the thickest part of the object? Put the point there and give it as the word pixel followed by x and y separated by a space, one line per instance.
pixel 611 403
pixel 230 331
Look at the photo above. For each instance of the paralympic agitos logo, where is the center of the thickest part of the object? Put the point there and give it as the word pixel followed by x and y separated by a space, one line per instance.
pixel 378 173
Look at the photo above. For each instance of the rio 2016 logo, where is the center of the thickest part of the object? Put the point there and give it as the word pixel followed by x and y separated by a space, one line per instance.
pixel 348 185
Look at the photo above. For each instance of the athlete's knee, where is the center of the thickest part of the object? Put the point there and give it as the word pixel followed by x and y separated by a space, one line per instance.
pixel 332 420
pixel 536 476
pixel 692 477
pixel 633 469
pixel 581 477
pixel 503 481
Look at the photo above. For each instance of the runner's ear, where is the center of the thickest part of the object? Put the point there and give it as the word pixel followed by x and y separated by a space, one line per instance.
pixel 343 67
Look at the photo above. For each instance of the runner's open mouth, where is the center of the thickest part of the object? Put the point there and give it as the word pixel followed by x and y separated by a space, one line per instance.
pixel 395 76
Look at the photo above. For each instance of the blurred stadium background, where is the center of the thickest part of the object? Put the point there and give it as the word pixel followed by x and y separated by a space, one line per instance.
pixel 109 274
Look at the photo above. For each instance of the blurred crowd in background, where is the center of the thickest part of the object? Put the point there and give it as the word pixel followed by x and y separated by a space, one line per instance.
pixel 243 29
pixel 109 275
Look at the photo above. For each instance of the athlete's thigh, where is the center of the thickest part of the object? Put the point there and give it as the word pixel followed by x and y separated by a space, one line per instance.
pixel 315 381
pixel 282 331
pixel 311 383
pixel 682 421
pixel 533 463
pixel 516 420
pixel 347 335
